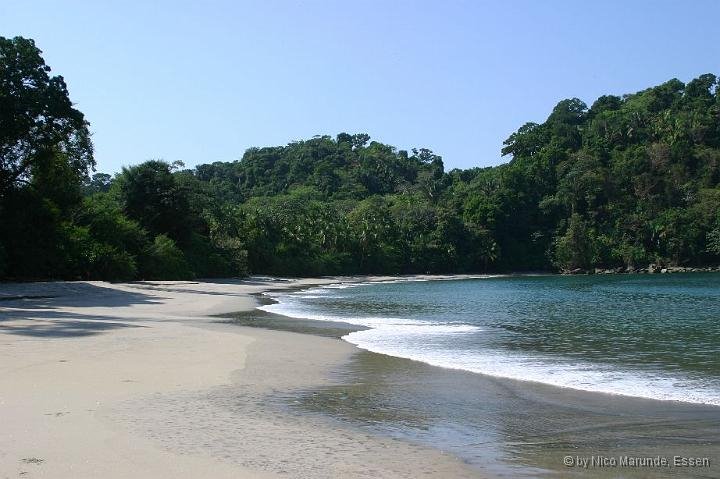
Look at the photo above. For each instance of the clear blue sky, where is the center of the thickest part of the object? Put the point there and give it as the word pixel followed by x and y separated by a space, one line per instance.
pixel 202 81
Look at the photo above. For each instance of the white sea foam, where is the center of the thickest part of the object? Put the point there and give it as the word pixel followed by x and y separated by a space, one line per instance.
pixel 312 296
pixel 575 375
pixel 400 325
pixel 423 341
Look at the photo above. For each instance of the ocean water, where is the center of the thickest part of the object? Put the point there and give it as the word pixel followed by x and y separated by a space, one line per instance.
pixel 645 336
pixel 532 369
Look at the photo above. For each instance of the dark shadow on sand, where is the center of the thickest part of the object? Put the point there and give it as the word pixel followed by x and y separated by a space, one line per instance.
pixel 36 309
pixel 62 329
pixel 31 296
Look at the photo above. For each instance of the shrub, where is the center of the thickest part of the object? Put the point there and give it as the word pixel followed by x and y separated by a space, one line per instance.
pixel 164 260
pixel 110 264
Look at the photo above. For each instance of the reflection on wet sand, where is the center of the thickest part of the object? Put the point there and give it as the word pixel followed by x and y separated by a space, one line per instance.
pixel 514 427
pixel 501 426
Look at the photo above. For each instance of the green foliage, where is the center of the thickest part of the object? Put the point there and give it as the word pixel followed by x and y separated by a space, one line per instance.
pixel 713 241
pixel 87 258
pixel 575 248
pixel 208 260
pixel 32 235
pixel 628 181
pixel 97 183
pixel 110 264
pixel 149 193
pixel 37 117
pixel 106 222
pixel 3 261
pixel 45 152
pixel 164 260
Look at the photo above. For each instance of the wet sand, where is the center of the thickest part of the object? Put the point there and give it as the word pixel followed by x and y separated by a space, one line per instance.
pixel 139 380
pixel 503 427
pixel 510 428
pixel 145 380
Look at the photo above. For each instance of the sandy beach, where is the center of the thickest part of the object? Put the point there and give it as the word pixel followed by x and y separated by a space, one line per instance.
pixel 138 380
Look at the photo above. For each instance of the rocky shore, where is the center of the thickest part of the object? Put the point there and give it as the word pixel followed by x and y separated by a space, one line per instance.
pixel 650 269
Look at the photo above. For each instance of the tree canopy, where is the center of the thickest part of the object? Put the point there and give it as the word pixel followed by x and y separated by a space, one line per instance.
pixel 628 181
pixel 38 120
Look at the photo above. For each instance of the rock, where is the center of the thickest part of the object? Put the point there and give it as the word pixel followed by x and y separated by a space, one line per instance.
pixel 664 270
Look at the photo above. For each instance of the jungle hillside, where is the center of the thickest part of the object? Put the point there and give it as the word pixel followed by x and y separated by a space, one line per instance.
pixel 626 182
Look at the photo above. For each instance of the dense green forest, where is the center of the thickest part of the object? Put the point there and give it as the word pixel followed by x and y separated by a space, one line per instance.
pixel 629 181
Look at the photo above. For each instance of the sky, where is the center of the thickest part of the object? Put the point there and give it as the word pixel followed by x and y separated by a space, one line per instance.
pixel 202 81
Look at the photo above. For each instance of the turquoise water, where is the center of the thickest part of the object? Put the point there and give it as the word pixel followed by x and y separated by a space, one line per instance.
pixel 647 336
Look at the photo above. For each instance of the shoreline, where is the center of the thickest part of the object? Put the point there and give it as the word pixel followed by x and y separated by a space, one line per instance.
pixel 539 421
pixel 145 380
pixel 339 328
pixel 137 380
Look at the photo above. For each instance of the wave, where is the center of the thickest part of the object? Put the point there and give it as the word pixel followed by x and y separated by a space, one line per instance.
pixel 379 323
pixel 430 342
pixel 581 376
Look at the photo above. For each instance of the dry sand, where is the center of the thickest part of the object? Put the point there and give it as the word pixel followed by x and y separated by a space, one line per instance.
pixel 135 380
